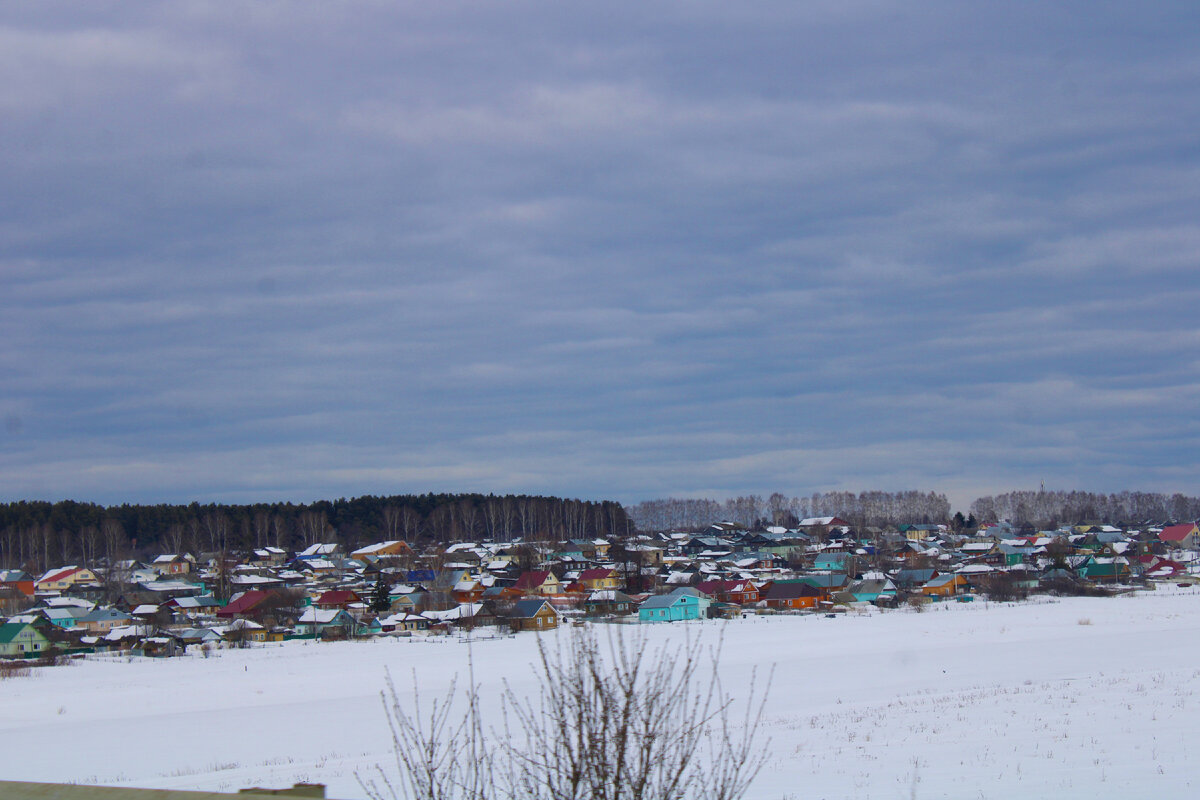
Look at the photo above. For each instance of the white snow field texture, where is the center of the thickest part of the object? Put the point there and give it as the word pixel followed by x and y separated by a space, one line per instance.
pixel 1063 698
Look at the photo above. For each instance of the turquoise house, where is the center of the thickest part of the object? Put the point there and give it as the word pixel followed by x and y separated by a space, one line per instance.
pixel 683 603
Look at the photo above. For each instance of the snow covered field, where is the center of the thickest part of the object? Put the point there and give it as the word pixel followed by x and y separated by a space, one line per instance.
pixel 1071 698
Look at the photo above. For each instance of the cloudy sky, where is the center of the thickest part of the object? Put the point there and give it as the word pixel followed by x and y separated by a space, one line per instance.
pixel 264 251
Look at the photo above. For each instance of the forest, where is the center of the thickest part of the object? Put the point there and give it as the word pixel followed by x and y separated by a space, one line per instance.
pixel 40 535
pixel 1049 509
pixel 749 511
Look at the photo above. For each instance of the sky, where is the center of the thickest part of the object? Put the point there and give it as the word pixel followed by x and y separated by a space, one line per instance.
pixel 621 250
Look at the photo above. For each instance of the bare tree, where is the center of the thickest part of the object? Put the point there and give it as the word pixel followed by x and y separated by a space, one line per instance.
pixel 613 720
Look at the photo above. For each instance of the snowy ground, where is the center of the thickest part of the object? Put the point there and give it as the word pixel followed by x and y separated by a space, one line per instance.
pixel 1073 698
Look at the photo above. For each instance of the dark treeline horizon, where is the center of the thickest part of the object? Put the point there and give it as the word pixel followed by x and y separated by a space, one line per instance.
pixel 44 534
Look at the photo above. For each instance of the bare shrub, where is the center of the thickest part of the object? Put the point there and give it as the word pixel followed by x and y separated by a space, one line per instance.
pixel 616 720
pixel 14 669
pixel 1003 587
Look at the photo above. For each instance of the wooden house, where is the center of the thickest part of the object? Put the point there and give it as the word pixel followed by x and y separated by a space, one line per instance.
pixel 536 614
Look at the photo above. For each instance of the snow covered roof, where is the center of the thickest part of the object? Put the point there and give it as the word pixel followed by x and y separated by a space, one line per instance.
pixel 318 550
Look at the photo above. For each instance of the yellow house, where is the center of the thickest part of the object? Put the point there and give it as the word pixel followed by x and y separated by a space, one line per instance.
pixel 600 578
pixel 541 582
pixel 63 578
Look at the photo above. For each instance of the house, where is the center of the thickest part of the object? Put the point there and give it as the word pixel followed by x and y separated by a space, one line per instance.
pixel 608 601
pixel 389 549
pixel 738 592
pixel 102 620
pixel 580 549
pixel 909 579
pixel 1105 569
pixel 270 555
pixel 188 607
pixel 319 622
pixel 541 582
pixel 337 598
pixel 17 579
pixel 793 595
pixel 919 533
pixel 200 636
pixel 244 630
pixel 823 522
pixel 945 585
pixel 535 614
pixel 172 564
pixel 835 562
pixel 873 587
pixel 706 544
pixel 599 578
pixel 243 605
pixel 680 604
pixel 1181 537
pixel 403 621
pixel 64 617
pixel 320 551
pixel 63 578
pixel 22 640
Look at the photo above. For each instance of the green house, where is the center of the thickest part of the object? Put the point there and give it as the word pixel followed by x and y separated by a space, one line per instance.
pixel 21 640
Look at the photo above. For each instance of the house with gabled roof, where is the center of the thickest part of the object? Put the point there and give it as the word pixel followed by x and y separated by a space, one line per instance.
pixel 337 598
pixel 599 578
pixel 793 595
pixel 543 582
pixel 320 621
pixel 737 591
pixel 22 640
pixel 608 601
pixel 535 614
pixel 326 550
pixel 946 585
pixel 17 579
pixel 1181 537
pixel 63 578
pixel 172 564
pixel 244 604
pixel 103 620
pixel 393 548
pixel 680 604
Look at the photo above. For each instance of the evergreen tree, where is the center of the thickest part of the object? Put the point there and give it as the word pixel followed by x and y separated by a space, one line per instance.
pixel 380 597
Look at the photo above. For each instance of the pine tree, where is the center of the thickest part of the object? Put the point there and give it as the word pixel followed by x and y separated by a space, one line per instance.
pixel 380 598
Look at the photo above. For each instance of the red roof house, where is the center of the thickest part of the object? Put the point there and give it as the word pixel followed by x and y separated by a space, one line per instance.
pixel 243 605
pixel 337 598
pixel 1181 536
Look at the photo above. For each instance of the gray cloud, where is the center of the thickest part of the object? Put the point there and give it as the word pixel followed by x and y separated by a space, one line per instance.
pixel 260 251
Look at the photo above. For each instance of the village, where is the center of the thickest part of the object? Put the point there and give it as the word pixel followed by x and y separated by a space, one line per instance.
pixel 179 603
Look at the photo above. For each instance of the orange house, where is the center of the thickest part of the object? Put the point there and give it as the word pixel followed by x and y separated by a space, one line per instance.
pixel 945 585
pixel 789 596
pixel 17 579
pixel 738 592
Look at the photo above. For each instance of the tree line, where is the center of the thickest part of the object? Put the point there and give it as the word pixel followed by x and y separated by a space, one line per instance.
pixel 1048 509
pixel 876 508
pixel 751 511
pixel 39 535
